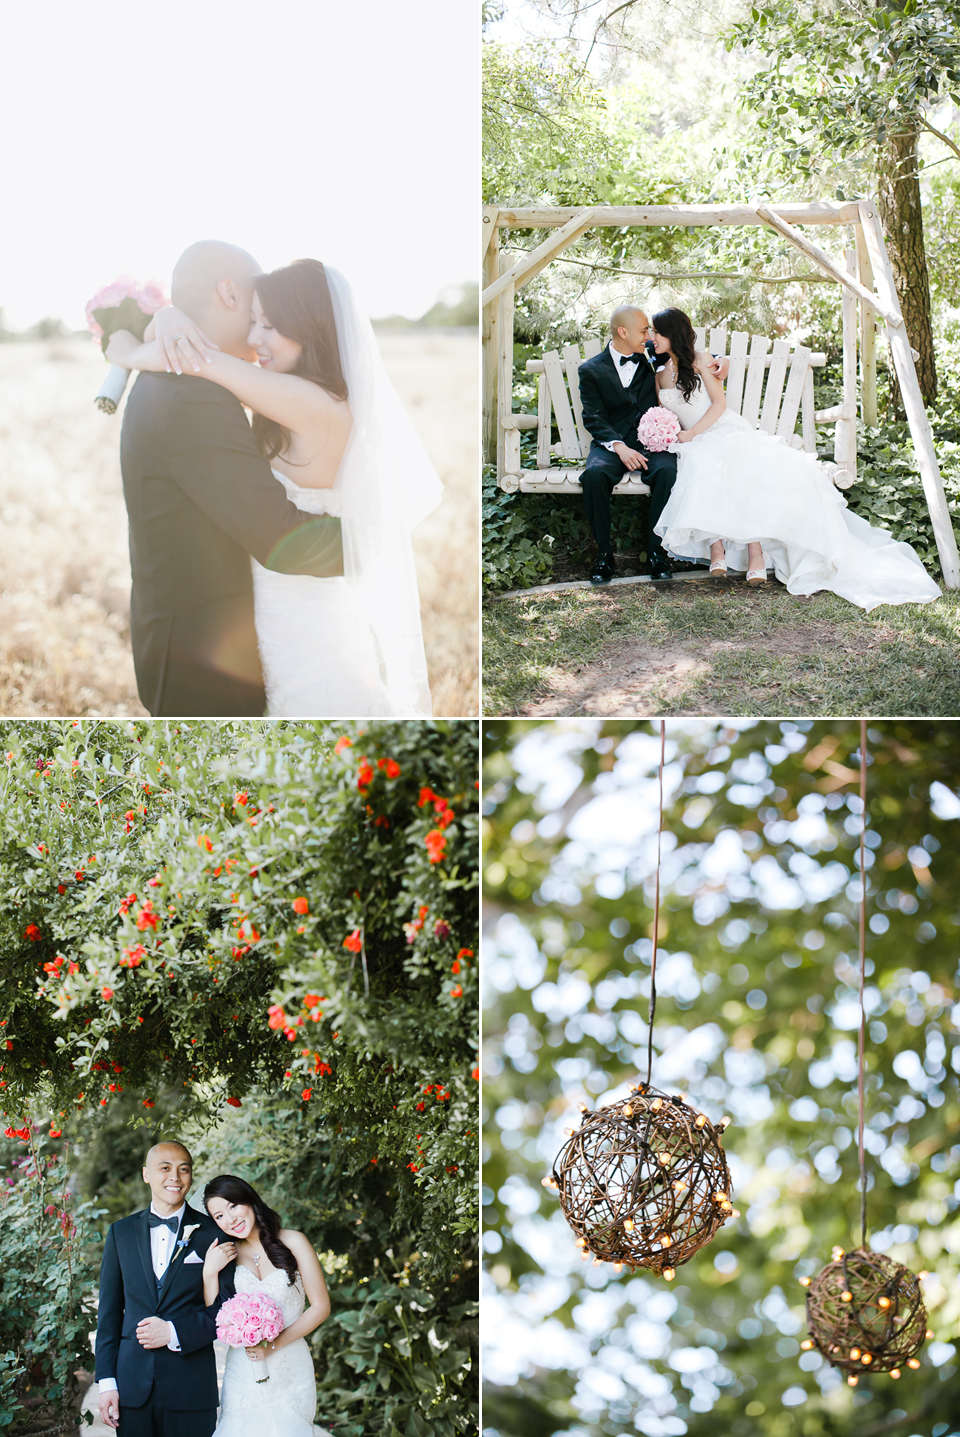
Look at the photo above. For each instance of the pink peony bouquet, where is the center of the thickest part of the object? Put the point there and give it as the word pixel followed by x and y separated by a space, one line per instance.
pixel 658 429
pixel 124 304
pixel 251 1319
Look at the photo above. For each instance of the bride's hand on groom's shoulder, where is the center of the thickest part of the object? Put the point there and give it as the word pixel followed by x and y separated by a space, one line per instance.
pixel 218 1255
pixel 182 343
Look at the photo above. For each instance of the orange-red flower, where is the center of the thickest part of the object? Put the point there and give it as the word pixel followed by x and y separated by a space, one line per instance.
pixel 146 918
pixel 240 798
pixel 456 991
pixel 234 1102
pixel 323 1069
pixel 33 933
pixel 364 775
pixel 277 1017
pixel 107 994
pixel 436 845
pixel 342 743
pixel 307 1094
pixel 353 942
pixel 390 766
pixel 300 905
pixel 465 953
pixel 149 1103
pixel 204 842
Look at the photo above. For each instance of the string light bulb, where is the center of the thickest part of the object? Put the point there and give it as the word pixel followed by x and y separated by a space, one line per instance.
pixel 883 1301
pixel 669 1273
pixel 913 1362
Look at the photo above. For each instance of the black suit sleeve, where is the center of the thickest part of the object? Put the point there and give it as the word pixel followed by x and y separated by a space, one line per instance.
pixel 110 1310
pixel 214 459
pixel 594 414
pixel 197 1328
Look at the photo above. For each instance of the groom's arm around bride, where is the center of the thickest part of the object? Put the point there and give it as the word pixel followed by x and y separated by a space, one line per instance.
pixel 155 1361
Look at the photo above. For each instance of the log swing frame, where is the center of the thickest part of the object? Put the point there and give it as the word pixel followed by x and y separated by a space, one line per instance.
pixel 868 292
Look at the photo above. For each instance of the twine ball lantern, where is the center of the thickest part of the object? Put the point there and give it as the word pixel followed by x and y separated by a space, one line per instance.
pixel 865 1314
pixel 644 1183
pixel 864 1311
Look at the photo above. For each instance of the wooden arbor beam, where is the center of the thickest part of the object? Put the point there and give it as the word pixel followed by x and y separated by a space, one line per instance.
pixel 822 212
pixel 814 252
pixel 531 264
pixel 912 398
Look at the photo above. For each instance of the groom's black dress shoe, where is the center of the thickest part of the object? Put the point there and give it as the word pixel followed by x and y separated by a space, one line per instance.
pixel 603 569
pixel 659 568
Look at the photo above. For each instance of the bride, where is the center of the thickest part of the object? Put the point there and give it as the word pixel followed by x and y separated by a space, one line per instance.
pixel 748 499
pixel 284 1264
pixel 328 420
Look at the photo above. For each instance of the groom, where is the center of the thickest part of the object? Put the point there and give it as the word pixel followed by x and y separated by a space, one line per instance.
pixel 617 386
pixel 200 500
pixel 156 1368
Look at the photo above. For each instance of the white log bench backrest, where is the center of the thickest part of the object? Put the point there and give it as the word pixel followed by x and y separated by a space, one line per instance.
pixel 772 406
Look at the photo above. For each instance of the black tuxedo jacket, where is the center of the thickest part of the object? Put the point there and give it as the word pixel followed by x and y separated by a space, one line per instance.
pixel 184 1381
pixel 201 499
pixel 611 411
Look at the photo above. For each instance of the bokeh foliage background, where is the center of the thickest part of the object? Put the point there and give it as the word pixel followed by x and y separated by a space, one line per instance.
pixel 757 1017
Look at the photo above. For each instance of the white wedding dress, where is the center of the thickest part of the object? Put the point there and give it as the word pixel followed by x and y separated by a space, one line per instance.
pixel 316 648
pixel 739 484
pixel 285 1405
pixel 352 647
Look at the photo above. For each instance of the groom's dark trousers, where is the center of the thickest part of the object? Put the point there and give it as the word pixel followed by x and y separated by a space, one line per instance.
pixel 611 412
pixel 162 1393
pixel 200 500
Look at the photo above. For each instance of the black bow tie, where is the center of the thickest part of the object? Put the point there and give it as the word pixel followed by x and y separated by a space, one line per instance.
pixel 172 1223
pixel 623 359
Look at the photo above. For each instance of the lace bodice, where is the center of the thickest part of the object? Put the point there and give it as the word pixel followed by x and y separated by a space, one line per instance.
pixel 311 501
pixel 688 411
pixel 277 1285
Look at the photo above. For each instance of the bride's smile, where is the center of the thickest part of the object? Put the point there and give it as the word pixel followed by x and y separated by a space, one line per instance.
pixel 274 350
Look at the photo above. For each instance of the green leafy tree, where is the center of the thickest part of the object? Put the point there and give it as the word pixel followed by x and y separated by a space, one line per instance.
pixel 756 1017
pixel 851 80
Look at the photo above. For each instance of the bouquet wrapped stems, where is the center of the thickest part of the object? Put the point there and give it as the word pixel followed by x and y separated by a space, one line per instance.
pixel 124 304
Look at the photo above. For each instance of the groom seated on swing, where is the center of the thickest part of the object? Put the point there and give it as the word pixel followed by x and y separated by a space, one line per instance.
pixel 617 386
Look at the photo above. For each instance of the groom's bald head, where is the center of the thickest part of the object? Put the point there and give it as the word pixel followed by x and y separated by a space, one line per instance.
pixel 625 316
pixel 213 284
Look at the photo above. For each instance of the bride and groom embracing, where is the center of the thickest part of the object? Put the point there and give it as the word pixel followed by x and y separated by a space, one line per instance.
pixel 166 1273
pixel 272 565
pixel 723 492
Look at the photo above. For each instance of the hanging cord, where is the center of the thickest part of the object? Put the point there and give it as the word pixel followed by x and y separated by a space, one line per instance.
pixel 656 912
pixel 863 947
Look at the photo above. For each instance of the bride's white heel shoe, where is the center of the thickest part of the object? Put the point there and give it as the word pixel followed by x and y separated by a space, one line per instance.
pixel 756 576
pixel 718 567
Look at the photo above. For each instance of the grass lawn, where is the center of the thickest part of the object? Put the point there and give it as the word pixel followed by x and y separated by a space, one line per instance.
pixel 687 649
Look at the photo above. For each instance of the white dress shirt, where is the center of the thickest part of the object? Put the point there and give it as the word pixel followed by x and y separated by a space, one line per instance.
pixel 163 1244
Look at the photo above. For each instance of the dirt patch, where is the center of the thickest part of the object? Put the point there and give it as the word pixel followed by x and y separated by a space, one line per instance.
pixel 635 678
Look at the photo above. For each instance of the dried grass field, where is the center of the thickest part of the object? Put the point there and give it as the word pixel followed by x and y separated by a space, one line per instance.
pixel 64 569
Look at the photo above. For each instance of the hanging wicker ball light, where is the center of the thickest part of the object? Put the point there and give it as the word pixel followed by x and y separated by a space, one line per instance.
pixel 644 1182
pixel 865 1314
pixel 864 1311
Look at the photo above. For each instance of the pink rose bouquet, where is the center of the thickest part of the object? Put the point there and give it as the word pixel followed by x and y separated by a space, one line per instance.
pixel 124 304
pixel 251 1319
pixel 658 429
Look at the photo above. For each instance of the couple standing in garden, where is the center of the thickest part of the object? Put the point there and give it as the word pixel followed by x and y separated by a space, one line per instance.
pixel 722 491
pixel 170 1285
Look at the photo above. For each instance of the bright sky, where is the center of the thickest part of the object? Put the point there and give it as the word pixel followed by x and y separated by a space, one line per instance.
pixel 344 132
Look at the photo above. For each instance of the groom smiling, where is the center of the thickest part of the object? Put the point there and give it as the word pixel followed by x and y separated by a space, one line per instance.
pixel 156 1368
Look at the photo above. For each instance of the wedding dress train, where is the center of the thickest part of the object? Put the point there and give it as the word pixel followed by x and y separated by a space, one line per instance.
pixel 740 484
pixel 283 1406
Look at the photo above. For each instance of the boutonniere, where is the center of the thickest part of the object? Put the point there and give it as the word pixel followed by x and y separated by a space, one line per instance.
pixel 188 1232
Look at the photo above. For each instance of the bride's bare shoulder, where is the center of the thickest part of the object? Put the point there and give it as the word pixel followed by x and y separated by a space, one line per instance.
pixel 701 358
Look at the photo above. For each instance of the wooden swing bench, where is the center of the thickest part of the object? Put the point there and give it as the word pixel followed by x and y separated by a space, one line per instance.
pixel 769 388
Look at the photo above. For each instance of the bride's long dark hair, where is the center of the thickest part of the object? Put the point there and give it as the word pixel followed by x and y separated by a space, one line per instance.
pixel 297 301
pixel 236 1190
pixel 674 325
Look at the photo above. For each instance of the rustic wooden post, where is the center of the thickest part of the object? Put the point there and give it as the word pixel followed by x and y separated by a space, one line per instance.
pixel 912 399
pixel 490 330
pixel 505 371
pixel 868 334
pixel 845 441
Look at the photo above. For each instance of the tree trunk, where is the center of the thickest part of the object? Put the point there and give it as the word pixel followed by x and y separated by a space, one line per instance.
pixel 902 219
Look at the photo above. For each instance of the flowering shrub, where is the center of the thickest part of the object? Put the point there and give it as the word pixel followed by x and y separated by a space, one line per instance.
pixel 48 1267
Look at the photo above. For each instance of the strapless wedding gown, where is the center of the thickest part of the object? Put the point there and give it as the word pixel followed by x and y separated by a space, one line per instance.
pixel 317 652
pixel 285 1405
pixel 739 484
